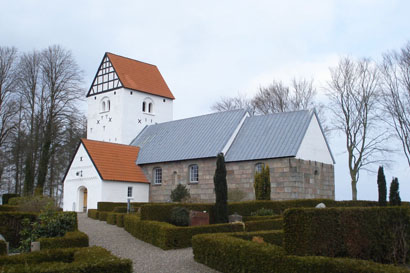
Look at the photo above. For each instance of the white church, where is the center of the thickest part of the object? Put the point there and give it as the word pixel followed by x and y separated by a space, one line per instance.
pixel 134 150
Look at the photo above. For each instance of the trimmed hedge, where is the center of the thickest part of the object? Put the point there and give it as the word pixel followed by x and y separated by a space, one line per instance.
pixel 167 236
pixel 260 218
pixel 10 225
pixel 111 218
pixel 271 224
pixel 9 208
pixel 93 213
pixel 377 234
pixel 110 206
pixel 274 237
pixel 69 240
pixel 102 215
pixel 5 198
pixel 120 209
pixel 226 253
pixel 3 248
pixel 71 260
pixel 162 211
pixel 120 219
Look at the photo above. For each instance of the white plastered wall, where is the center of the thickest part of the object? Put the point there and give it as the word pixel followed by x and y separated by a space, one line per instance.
pixel 82 173
pixel 125 119
pixel 313 145
pixel 114 191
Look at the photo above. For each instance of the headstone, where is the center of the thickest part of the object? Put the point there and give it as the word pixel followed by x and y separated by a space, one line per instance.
pixel 320 206
pixel 235 218
pixel 198 218
pixel 35 246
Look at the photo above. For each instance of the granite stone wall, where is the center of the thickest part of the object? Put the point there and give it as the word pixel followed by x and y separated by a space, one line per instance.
pixel 291 178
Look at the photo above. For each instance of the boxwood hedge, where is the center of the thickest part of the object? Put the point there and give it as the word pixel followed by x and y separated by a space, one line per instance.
pixel 69 240
pixel 93 213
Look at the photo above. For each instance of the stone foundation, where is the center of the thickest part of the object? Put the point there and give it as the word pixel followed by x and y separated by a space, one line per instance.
pixel 291 178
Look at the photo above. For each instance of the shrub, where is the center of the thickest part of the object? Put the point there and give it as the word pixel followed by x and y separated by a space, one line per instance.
pixel 102 215
pixel 180 193
pixel 394 196
pixel 262 184
pixel 221 191
pixel 69 240
pixel 119 219
pixel 11 225
pixel 226 253
pixel 274 237
pixel 260 218
pixel 381 185
pixel 5 198
pixel 179 216
pixel 271 224
pixel 167 236
pixel 73 260
pixel 34 203
pixel 111 218
pixel 379 234
pixel 3 248
pixel 263 212
pixel 93 213
pixel 8 208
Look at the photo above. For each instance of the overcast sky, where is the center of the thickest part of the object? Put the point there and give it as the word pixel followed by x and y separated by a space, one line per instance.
pixel 209 49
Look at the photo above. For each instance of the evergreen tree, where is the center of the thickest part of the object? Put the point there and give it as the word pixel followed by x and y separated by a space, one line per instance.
pixel 266 183
pixel 394 196
pixel 221 191
pixel 381 183
pixel 262 184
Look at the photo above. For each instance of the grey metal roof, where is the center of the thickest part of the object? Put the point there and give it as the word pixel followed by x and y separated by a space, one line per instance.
pixel 197 137
pixel 270 136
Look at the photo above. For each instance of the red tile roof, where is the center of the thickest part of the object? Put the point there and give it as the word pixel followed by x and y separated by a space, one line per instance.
pixel 115 162
pixel 140 76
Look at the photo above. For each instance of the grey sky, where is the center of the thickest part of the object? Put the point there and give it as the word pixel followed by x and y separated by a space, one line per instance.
pixel 208 49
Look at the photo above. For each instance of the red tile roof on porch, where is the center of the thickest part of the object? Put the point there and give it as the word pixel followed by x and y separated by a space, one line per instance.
pixel 115 162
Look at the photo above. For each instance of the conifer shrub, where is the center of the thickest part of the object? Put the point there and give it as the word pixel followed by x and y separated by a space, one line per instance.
pixel 381 184
pixel 394 196
pixel 262 184
pixel 221 191
pixel 179 216
pixel 180 193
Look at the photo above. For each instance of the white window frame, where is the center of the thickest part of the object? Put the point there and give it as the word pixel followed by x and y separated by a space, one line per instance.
pixel 157 176
pixel 193 173
pixel 129 192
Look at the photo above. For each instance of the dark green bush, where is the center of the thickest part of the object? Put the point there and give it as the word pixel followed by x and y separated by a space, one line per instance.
pixel 162 212
pixel 11 225
pixel 119 219
pixel 379 234
pixel 179 216
pixel 9 208
pixel 270 224
pixel 226 253
pixel 93 213
pixel 180 193
pixel 102 215
pixel 3 248
pixel 71 260
pixel 111 218
pixel 5 198
pixel 274 237
pixel 69 240
pixel 120 209
pixel 262 184
pixel 167 236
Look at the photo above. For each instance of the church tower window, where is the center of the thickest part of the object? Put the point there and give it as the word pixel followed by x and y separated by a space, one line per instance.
pixel 143 106
pixel 150 107
pixel 105 105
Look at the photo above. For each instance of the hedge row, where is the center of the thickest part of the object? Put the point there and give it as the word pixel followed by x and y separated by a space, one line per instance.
pixel 110 206
pixel 9 208
pixel 3 248
pixel 271 224
pixel 162 211
pixel 167 236
pixel 112 218
pixel 274 237
pixel 260 218
pixel 71 260
pixel 93 213
pixel 10 225
pixel 226 253
pixel 379 234
pixel 102 215
pixel 69 240
pixel 120 219
pixel 5 198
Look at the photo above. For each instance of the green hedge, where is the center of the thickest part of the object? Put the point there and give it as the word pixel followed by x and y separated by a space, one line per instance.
pixel 120 219
pixel 69 240
pixel 5 198
pixel 260 218
pixel 102 215
pixel 93 213
pixel 274 237
pixel 71 260
pixel 111 218
pixel 110 206
pixel 9 208
pixel 226 253
pixel 162 212
pixel 120 209
pixel 271 224
pixel 3 248
pixel 167 236
pixel 10 225
pixel 376 234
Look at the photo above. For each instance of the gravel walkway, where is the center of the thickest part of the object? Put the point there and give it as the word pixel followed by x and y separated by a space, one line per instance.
pixel 145 257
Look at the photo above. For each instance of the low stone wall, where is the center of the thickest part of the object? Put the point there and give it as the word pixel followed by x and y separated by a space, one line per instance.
pixel 291 178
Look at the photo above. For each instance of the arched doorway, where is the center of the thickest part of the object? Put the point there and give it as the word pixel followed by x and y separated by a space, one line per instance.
pixel 82 199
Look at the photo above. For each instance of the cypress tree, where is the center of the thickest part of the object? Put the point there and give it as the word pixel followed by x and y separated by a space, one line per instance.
pixel 266 183
pixel 381 183
pixel 257 185
pixel 394 196
pixel 262 184
pixel 221 191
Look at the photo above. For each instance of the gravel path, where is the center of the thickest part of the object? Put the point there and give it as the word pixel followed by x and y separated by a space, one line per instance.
pixel 145 257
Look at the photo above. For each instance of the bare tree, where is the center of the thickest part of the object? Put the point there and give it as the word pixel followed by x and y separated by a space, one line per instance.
pixel 354 93
pixel 233 103
pixel 395 70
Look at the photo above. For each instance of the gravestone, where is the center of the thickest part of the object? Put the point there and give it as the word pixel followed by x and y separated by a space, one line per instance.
pixel 198 218
pixel 320 206
pixel 235 218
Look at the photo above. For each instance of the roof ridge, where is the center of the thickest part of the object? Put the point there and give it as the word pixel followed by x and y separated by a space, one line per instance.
pixel 129 58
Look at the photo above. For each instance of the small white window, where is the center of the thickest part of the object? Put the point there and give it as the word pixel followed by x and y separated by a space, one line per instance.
pixel 150 110
pixel 129 192
pixel 157 176
pixel 103 106
pixel 193 173
pixel 143 106
pixel 258 167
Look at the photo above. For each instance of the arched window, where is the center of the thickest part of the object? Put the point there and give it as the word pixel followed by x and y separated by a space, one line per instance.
pixel 193 173
pixel 143 106
pixel 103 106
pixel 157 176
pixel 150 110
pixel 258 167
pixel 108 105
